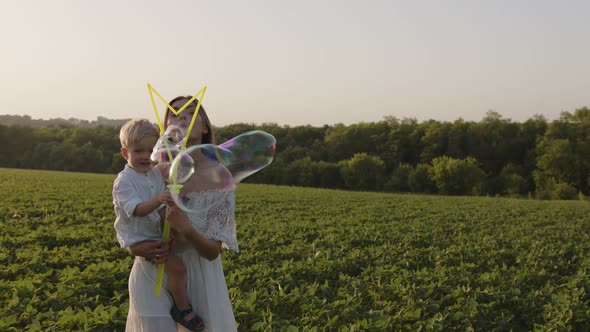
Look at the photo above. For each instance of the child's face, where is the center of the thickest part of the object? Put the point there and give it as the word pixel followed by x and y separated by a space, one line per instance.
pixel 138 154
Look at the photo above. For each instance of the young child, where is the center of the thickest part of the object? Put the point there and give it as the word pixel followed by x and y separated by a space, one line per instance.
pixel 139 192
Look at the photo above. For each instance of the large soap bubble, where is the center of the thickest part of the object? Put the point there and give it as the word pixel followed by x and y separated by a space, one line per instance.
pixel 221 167
pixel 249 153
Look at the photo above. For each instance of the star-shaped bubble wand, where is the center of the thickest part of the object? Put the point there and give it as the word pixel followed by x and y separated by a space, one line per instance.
pixel 174 184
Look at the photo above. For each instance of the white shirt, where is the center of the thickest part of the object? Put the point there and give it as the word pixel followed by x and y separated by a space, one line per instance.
pixel 130 189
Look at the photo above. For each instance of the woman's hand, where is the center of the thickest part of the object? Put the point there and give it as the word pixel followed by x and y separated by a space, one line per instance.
pixel 178 219
pixel 155 251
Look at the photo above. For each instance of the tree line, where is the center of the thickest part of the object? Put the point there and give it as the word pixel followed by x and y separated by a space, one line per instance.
pixel 26 120
pixel 495 156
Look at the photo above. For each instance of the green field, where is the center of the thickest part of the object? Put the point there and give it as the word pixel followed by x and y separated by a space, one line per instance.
pixel 310 259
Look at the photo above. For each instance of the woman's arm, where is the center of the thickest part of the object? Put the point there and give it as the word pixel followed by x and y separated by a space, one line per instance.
pixel 155 251
pixel 207 248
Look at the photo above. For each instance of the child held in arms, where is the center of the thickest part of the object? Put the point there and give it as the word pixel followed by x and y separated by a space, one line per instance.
pixel 139 194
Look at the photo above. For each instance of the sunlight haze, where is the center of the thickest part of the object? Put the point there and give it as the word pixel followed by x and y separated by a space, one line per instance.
pixel 296 62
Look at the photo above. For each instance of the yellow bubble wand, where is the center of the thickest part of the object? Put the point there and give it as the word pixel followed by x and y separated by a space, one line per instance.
pixel 174 186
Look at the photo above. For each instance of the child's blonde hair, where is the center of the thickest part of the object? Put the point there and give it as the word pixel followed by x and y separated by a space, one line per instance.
pixel 135 130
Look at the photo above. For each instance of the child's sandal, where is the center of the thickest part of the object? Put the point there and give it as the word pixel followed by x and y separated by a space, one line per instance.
pixel 194 324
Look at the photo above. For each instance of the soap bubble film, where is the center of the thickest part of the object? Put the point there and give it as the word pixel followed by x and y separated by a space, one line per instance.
pixel 221 167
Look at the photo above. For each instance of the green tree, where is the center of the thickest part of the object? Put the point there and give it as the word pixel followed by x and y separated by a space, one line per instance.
pixel 458 138
pixel 435 140
pixel 564 191
pixel 117 162
pixel 532 131
pixel 88 158
pixel 398 180
pixel 404 142
pixel 494 142
pixel 456 176
pixel 513 183
pixel 343 142
pixel 556 159
pixel 40 158
pixel 420 181
pixel 363 172
pixel 562 153
pixel 328 175
pixel 301 173
pixel 63 157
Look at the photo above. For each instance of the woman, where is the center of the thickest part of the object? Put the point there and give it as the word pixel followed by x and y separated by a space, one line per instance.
pixel 200 236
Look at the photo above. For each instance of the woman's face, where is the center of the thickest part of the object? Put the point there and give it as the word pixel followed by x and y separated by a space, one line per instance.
pixel 184 119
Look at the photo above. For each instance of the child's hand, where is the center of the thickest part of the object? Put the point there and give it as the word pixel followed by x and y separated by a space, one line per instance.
pixel 166 198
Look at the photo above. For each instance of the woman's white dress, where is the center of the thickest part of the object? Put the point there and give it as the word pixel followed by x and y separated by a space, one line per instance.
pixel 207 289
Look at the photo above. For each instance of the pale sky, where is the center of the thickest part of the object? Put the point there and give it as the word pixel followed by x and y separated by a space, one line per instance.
pixel 296 62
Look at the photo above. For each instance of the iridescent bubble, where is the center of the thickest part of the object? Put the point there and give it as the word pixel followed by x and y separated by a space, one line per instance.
pixel 174 134
pixel 168 145
pixel 183 167
pixel 220 167
pixel 250 152
pixel 167 149
pixel 162 155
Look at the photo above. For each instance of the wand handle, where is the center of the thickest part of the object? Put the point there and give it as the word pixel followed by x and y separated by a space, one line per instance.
pixel 165 237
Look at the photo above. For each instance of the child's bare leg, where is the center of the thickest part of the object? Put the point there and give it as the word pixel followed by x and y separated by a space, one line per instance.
pixel 176 272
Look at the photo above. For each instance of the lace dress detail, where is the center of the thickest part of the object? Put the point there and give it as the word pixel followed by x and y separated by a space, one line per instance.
pixel 213 215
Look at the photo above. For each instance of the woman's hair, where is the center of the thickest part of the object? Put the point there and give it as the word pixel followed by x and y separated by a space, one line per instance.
pixel 206 138
pixel 135 130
